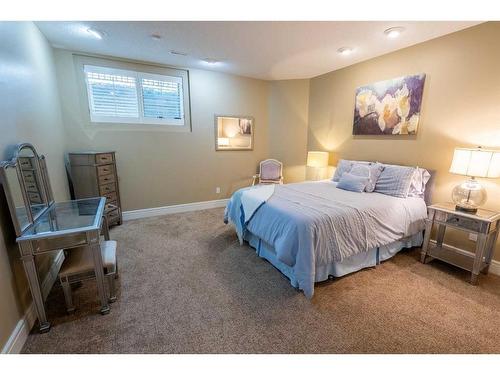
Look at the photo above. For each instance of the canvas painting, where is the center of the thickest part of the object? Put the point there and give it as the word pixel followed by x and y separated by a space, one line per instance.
pixel 389 107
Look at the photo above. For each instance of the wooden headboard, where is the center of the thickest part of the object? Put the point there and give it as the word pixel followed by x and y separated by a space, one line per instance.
pixel 429 187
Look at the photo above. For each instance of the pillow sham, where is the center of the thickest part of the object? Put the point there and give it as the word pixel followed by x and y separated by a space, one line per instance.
pixel 372 171
pixel 418 182
pixel 352 182
pixel 395 180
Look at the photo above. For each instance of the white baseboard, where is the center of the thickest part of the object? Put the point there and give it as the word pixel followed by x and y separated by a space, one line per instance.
pixel 18 337
pixel 165 210
pixel 494 266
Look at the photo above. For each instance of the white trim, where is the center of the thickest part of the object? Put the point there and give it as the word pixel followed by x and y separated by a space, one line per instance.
pixel 494 266
pixel 18 337
pixel 166 210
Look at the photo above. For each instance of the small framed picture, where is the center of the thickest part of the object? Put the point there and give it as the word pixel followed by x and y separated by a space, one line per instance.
pixel 233 133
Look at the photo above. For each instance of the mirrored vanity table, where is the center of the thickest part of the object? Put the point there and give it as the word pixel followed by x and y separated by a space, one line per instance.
pixel 44 226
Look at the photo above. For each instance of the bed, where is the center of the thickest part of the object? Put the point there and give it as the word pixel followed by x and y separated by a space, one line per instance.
pixel 313 230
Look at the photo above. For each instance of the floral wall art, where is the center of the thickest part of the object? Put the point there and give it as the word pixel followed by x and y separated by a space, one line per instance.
pixel 389 107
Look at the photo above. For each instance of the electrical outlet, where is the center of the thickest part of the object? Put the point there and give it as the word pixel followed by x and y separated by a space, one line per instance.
pixel 473 237
pixel 217 190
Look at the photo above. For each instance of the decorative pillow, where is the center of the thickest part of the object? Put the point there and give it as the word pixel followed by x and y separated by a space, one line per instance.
pixel 418 182
pixel 395 180
pixel 351 182
pixel 343 166
pixel 372 171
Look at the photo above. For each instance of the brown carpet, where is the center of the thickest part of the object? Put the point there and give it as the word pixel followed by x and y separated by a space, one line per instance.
pixel 186 286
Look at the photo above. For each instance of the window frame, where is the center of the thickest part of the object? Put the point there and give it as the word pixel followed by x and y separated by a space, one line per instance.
pixel 140 70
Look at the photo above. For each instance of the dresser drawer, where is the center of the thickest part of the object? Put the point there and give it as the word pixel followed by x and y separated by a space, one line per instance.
pixel 104 158
pixel 110 196
pixel 25 163
pixel 110 206
pixel 31 186
pixel 34 197
pixel 108 188
pixel 29 176
pixel 113 216
pixel 104 170
pixel 106 179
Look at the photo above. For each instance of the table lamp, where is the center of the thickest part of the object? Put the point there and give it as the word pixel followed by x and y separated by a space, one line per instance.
pixel 317 160
pixel 473 162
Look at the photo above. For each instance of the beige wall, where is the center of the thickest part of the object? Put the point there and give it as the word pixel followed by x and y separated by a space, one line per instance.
pixel 288 111
pixel 159 168
pixel 461 107
pixel 30 112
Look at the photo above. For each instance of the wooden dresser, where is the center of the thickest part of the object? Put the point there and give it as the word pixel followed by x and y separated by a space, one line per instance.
pixel 94 174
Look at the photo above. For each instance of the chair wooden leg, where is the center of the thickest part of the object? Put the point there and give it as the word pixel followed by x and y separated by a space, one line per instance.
pixel 112 289
pixel 67 295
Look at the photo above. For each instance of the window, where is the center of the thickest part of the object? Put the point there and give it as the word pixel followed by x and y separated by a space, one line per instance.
pixel 128 96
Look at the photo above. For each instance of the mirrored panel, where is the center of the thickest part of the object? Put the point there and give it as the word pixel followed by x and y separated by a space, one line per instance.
pixel 234 133
pixel 14 193
pixel 26 185
pixel 31 175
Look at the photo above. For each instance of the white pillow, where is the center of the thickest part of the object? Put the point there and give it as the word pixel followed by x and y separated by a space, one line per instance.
pixel 419 180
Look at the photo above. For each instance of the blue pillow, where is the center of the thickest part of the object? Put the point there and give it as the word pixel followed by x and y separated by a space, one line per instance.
pixel 353 183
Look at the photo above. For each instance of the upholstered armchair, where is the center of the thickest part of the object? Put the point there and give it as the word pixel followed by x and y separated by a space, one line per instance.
pixel 270 172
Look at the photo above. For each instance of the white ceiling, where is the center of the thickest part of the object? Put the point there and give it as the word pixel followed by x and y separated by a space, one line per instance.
pixel 266 50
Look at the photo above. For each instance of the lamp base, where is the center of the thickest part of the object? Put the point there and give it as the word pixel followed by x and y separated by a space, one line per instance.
pixel 466 209
pixel 468 196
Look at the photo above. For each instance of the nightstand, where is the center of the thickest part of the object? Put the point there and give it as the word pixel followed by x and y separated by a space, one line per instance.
pixel 485 224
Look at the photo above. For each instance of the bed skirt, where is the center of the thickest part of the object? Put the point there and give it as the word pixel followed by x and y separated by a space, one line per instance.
pixel 352 264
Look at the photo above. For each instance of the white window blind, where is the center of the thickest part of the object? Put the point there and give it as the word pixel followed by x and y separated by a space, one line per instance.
pixel 112 93
pixel 125 96
pixel 162 97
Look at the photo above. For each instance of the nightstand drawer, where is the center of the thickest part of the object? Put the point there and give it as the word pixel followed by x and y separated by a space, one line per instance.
pixel 108 188
pixel 104 170
pixel 104 158
pixel 106 179
pixel 464 222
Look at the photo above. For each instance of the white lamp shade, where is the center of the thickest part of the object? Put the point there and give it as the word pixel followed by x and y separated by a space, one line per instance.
pixel 317 159
pixel 476 162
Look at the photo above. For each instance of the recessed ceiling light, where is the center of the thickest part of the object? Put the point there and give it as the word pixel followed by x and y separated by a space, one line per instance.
pixel 95 33
pixel 394 32
pixel 178 53
pixel 210 61
pixel 155 36
pixel 345 51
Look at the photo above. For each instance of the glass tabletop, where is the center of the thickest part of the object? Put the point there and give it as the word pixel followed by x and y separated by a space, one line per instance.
pixel 67 217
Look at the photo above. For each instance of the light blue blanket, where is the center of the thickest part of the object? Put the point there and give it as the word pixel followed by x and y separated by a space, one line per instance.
pixel 243 205
pixel 314 223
